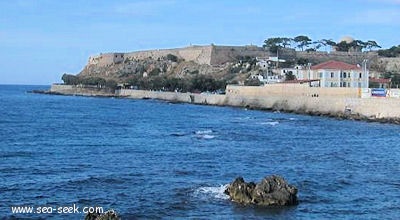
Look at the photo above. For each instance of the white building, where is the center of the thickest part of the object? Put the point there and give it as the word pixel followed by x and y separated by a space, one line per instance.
pixel 299 71
pixel 340 74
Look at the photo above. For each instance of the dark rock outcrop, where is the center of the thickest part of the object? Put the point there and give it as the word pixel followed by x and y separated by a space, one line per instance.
pixel 109 215
pixel 271 191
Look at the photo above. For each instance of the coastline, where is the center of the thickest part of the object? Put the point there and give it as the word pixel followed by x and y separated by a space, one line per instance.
pixel 346 107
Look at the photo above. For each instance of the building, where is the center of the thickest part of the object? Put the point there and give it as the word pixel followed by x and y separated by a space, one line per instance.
pixel 340 74
pixel 379 83
pixel 300 72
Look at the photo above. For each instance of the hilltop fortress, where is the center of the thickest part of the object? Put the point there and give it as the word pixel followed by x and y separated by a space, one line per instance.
pixel 346 102
pixel 217 55
pixel 210 55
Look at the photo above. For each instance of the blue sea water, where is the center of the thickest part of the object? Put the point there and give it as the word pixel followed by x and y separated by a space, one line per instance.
pixel 152 159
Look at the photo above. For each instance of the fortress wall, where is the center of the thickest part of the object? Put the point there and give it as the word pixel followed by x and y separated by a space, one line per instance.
pixel 223 54
pixel 353 57
pixel 79 90
pixel 154 54
pixel 198 54
pixel 102 59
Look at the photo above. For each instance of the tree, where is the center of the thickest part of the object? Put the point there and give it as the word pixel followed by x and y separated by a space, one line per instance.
pixel 172 57
pixel 273 44
pixel 286 41
pixel 94 81
pixel 302 61
pixel 302 41
pixel 391 52
pixel 371 44
pixel 204 83
pixel 289 76
pixel 70 79
pixel 343 46
pixel 328 42
pixel 318 44
pixel 111 84
pixel 252 82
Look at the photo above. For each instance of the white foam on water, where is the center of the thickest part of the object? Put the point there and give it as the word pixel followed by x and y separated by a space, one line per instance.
pixel 292 119
pixel 213 192
pixel 207 136
pixel 208 131
pixel 272 123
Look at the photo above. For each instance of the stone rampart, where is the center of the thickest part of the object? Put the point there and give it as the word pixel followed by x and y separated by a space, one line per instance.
pixel 223 54
pixel 294 98
pixel 210 55
pixel 348 57
pixel 79 90
pixel 198 54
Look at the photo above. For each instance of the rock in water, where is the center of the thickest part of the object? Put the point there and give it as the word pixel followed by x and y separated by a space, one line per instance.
pixel 109 215
pixel 271 191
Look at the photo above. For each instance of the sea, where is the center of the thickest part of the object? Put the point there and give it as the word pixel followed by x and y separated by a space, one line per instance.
pixel 151 159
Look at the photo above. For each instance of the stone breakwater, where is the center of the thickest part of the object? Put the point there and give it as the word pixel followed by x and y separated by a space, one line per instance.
pixel 333 102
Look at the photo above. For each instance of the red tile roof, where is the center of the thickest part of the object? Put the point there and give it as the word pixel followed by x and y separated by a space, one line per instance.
pixel 377 80
pixel 335 65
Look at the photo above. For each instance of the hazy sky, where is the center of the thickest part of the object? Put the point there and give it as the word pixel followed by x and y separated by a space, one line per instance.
pixel 42 39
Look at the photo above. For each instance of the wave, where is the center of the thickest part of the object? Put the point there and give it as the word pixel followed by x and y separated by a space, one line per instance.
pixel 212 192
pixel 208 131
pixel 272 123
pixel 207 136
pixel 178 134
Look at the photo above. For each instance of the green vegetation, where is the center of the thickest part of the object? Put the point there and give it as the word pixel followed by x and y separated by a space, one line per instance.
pixel 395 78
pixel 304 43
pixel 89 81
pixel 252 82
pixel 198 83
pixel 391 52
pixel 172 57
pixel 289 76
pixel 70 79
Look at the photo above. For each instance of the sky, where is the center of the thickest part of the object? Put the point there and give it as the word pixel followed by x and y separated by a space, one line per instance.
pixel 40 40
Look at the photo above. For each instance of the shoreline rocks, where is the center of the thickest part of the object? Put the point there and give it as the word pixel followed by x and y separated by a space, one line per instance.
pixel 271 191
pixel 109 215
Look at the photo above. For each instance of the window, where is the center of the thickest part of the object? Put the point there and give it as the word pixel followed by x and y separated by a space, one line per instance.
pixel 360 75
pixel 332 74
pixel 320 75
pixel 348 84
pixel 344 75
pixel 332 84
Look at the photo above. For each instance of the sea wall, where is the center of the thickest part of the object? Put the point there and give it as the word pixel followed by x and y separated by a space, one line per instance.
pixel 314 100
pixel 79 90
pixel 209 99
pixel 339 102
